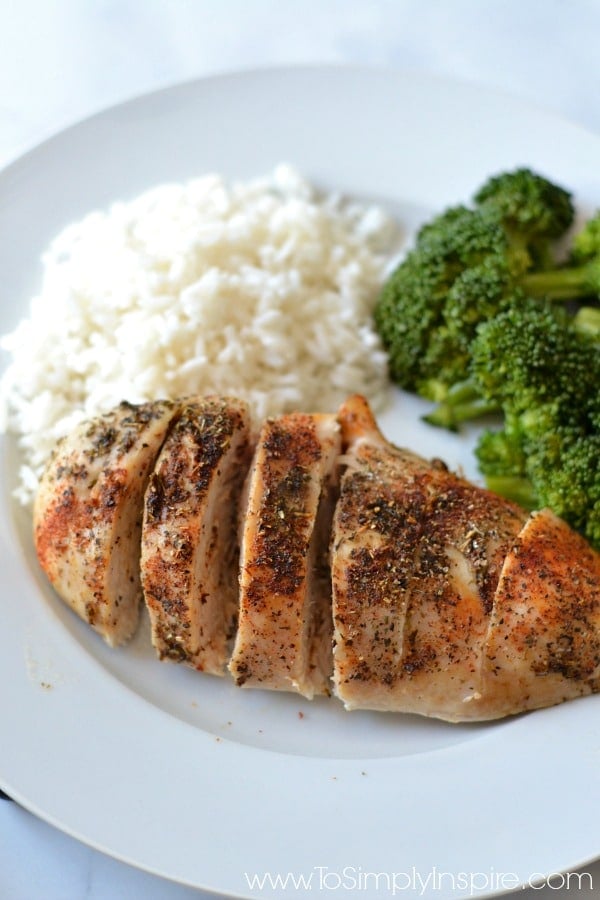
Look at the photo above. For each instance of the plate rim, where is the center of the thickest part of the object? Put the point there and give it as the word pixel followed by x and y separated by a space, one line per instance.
pixel 74 653
pixel 268 69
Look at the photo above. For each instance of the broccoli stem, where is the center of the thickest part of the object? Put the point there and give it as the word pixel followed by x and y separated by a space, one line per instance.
pixel 433 389
pixel 453 411
pixel 560 284
pixel 519 490
pixel 462 392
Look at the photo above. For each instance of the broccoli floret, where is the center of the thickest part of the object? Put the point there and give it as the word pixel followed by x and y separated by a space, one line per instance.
pixel 518 318
pixel 534 211
pixel 544 342
pixel 504 456
pixel 438 225
pixel 407 314
pixel 529 355
pixel 464 237
pixel 475 296
pixel 466 266
pixel 564 474
pixel 544 374
pixel 464 324
pixel 460 268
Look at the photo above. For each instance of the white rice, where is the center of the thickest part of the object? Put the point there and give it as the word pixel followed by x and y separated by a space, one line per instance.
pixel 262 289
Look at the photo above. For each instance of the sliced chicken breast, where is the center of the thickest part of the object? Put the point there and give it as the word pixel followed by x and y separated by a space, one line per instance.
pixel 284 633
pixel 438 597
pixel 416 557
pixel 189 538
pixel 88 514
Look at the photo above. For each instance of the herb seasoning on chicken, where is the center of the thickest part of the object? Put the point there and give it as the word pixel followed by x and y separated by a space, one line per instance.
pixel 411 589
pixel 284 632
pixel 88 514
pixel 436 596
pixel 189 537
pixel 448 600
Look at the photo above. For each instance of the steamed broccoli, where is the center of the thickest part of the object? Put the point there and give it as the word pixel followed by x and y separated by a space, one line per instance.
pixel 563 474
pixel 550 351
pixel 467 323
pixel 531 355
pixel 476 295
pixel 458 273
pixel 535 212
pixel 544 374
pixel 467 265
pixel 572 489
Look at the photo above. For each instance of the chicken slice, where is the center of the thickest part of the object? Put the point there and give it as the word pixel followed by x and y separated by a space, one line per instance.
pixel 284 631
pixel 543 645
pixel 416 557
pixel 88 514
pixel 189 538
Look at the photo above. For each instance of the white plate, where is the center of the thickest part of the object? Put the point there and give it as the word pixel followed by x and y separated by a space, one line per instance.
pixel 184 775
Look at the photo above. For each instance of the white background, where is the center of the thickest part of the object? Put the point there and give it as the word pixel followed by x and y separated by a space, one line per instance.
pixel 61 60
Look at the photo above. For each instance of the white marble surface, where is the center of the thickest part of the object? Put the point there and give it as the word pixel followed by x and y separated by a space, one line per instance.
pixel 61 60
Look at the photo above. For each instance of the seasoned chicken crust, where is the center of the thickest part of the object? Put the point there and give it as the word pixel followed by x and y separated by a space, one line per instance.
pixel 190 551
pixel 284 631
pixel 416 557
pixel 363 568
pixel 87 514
